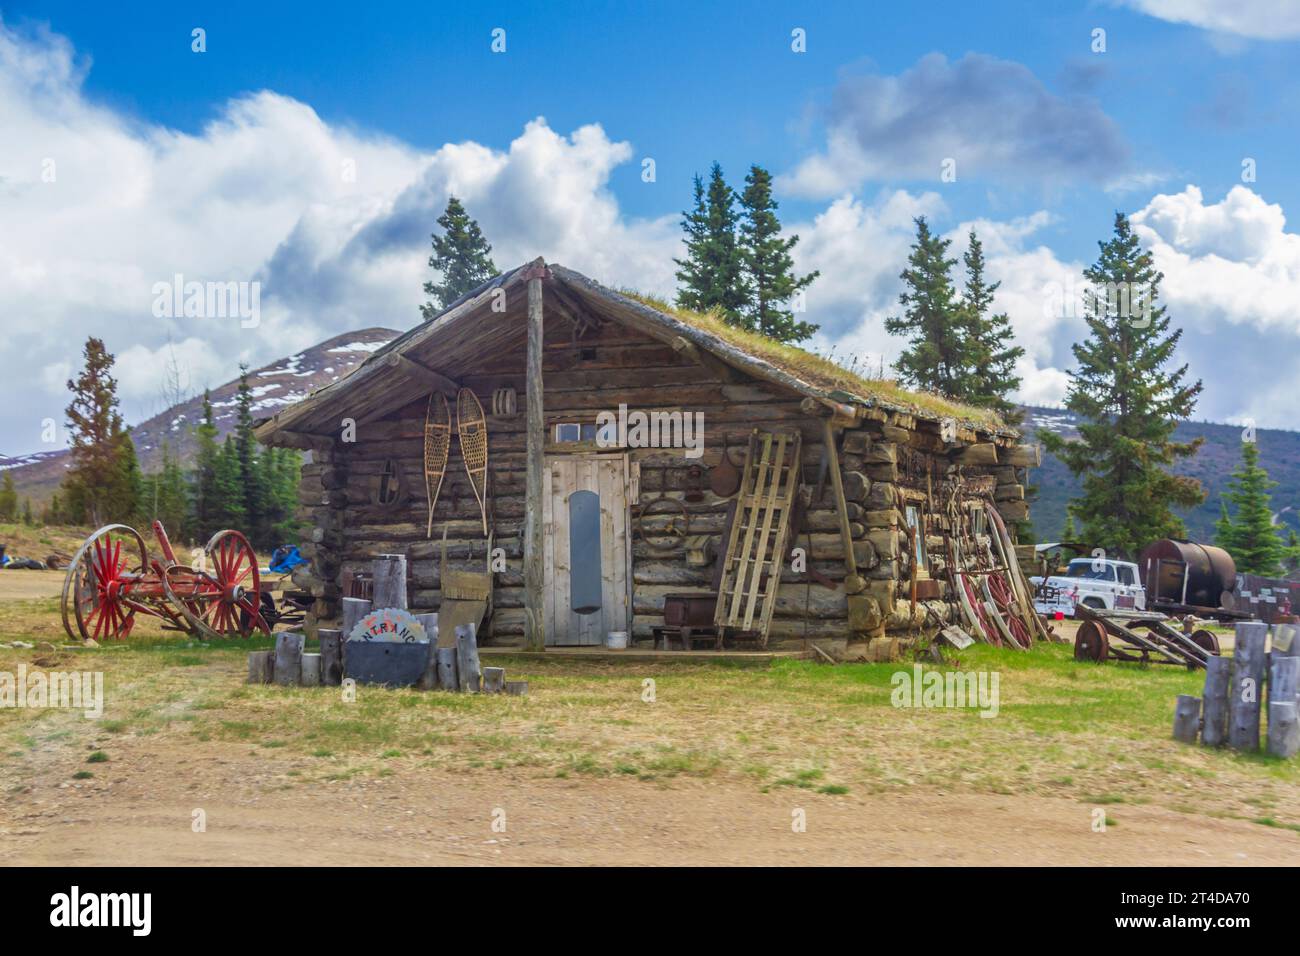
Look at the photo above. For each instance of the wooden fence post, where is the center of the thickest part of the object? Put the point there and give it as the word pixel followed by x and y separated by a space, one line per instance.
pixel 310 670
pixel 447 678
pixel 331 656
pixel 1187 718
pixel 467 666
pixel 1214 727
pixel 1247 685
pixel 288 658
pixel 354 609
pixel 261 667
pixel 494 680
pixel 1283 728
pixel 429 679
pixel 389 573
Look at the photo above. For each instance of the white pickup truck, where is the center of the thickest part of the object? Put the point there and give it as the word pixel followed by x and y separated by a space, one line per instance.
pixel 1096 582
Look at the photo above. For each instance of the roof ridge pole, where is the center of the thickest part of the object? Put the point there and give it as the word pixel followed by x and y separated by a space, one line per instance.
pixel 534 571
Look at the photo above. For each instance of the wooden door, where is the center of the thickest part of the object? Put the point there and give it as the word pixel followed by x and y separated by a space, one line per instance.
pixel 587 551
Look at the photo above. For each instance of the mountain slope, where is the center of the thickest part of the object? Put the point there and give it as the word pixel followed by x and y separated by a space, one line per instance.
pixel 280 383
pixel 1279 454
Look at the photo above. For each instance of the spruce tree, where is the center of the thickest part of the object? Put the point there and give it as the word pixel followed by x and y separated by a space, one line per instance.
pixel 228 506
pixel 712 277
pixel 8 499
pixel 770 281
pixel 1128 403
pixel 28 518
pixel 204 504
pixel 936 357
pixel 251 478
pixel 1249 535
pixel 990 352
pixel 462 257
pixel 98 485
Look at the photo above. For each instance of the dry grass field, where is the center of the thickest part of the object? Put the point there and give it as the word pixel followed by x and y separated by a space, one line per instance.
pixel 630 762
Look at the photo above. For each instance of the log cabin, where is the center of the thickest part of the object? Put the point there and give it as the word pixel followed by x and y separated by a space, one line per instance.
pixel 651 470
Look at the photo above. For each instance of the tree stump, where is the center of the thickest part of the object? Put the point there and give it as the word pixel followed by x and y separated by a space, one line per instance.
pixel 494 680
pixel 446 658
pixel 354 609
pixel 389 573
pixel 331 657
pixel 1187 718
pixel 1283 678
pixel 517 688
pixel 429 680
pixel 1214 726
pixel 311 665
pixel 288 658
pixel 1247 685
pixel 1283 727
pixel 261 667
pixel 467 666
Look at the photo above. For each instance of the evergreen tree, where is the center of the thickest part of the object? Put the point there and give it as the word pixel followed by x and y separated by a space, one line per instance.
pixel 770 281
pixel 102 482
pixel 1291 555
pixel 167 495
pixel 8 499
pixel 53 513
pixel 1068 533
pixel 990 355
pixel 936 357
pixel 1129 404
pixel 462 257
pixel 28 518
pixel 204 505
pixel 228 502
pixel 251 482
pixel 1250 535
pixel 712 275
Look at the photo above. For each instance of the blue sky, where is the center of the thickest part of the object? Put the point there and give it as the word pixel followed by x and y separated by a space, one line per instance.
pixel 1049 136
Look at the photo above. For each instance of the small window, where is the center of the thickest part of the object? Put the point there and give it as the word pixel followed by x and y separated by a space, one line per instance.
pixel 568 431
pixel 1126 575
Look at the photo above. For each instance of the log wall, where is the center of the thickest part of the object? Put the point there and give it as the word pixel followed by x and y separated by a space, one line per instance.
pixel 346 528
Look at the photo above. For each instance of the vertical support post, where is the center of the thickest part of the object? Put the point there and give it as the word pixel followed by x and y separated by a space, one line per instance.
pixel 853 584
pixel 1214 729
pixel 534 571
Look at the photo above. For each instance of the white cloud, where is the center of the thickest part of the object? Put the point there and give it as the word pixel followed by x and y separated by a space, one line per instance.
pixel 1257 19
pixel 992 118
pixel 261 193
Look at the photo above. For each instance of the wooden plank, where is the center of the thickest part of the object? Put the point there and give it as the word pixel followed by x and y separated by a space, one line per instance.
pixel 534 571
pixel 434 381
pixel 841 503
pixel 548 557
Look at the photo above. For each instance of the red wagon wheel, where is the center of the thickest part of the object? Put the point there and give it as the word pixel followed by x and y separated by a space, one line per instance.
pixel 97 588
pixel 223 598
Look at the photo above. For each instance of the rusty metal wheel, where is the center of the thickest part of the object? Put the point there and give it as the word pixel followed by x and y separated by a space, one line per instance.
pixel 1091 643
pixel 1207 640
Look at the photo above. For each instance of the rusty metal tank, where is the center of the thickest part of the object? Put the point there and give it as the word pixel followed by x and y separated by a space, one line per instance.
pixel 1184 572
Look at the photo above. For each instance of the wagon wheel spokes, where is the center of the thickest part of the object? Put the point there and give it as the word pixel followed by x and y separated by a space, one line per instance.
pixel 96 589
pixel 225 599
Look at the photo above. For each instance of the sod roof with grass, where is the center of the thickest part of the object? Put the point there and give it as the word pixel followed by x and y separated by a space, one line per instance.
pixel 476 325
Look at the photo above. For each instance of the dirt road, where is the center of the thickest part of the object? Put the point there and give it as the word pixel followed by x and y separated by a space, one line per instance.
pixel 140 809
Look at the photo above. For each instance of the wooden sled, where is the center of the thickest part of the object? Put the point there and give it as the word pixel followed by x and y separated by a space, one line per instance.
pixel 466 596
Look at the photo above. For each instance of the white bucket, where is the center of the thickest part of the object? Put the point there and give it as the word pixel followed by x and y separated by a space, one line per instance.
pixel 616 640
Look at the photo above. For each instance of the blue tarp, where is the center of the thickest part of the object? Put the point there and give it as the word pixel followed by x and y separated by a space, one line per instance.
pixel 286 558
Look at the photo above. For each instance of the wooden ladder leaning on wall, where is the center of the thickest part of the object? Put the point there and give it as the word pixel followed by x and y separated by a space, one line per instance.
pixel 751 573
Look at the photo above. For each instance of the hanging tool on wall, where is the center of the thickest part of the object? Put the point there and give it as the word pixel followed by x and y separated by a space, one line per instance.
pixel 437 446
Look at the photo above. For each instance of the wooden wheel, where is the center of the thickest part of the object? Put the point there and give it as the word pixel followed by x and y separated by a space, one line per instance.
pixel 96 590
pixel 1091 643
pixel 1207 640
pixel 224 597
